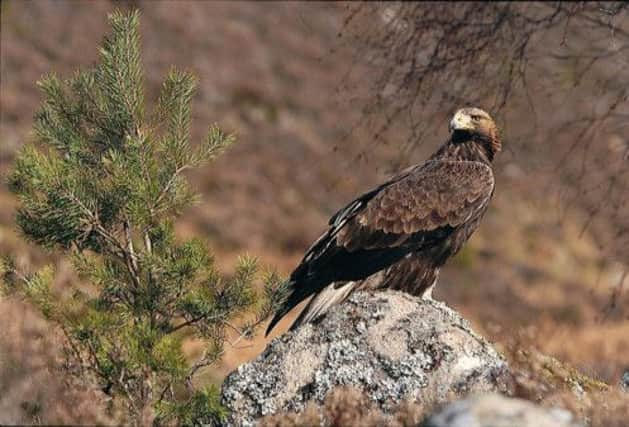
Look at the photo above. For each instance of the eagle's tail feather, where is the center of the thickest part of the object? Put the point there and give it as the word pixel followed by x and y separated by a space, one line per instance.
pixel 321 303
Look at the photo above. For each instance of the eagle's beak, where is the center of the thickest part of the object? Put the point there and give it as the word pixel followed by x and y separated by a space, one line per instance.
pixel 461 121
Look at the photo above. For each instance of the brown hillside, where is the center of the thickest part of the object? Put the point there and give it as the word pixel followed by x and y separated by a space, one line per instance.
pixel 275 73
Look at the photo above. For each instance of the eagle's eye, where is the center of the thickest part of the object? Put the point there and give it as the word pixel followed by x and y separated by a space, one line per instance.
pixel 476 118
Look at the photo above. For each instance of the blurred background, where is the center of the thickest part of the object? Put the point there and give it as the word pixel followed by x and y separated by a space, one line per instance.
pixel 326 101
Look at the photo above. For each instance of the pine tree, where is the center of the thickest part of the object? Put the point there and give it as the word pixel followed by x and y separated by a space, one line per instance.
pixel 103 184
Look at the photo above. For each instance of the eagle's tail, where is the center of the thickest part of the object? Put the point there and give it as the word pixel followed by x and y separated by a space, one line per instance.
pixel 321 303
pixel 317 306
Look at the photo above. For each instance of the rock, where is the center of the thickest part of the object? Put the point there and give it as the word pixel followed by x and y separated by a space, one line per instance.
pixel 624 381
pixel 493 410
pixel 390 345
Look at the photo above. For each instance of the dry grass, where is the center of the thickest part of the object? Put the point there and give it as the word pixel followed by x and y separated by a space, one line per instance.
pixel 609 409
pixel 552 383
pixel 268 73
pixel 33 388
pixel 348 407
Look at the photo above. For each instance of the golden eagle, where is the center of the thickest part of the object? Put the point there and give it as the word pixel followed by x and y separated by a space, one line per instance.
pixel 399 234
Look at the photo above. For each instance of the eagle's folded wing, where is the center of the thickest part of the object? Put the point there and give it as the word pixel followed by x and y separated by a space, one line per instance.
pixel 440 194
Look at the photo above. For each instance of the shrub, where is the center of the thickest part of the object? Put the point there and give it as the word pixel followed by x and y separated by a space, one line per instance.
pixel 104 184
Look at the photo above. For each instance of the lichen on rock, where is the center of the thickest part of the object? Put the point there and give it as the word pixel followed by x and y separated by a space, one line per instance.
pixel 390 345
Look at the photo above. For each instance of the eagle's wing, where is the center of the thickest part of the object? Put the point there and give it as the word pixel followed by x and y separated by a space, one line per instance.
pixel 360 202
pixel 338 221
pixel 415 206
pixel 441 193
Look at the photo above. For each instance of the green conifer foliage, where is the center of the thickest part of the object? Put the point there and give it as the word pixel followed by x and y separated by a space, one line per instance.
pixel 104 184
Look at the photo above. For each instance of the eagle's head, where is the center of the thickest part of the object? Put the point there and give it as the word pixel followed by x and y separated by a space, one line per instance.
pixel 474 123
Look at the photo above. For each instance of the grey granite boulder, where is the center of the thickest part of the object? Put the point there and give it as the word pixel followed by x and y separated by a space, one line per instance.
pixel 390 345
pixel 493 410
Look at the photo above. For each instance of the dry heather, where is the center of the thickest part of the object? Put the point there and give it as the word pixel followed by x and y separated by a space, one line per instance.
pixel 33 389
pixel 271 73
pixel 546 380
pixel 348 407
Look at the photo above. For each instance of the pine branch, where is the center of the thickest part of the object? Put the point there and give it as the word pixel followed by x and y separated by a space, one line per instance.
pixel 168 187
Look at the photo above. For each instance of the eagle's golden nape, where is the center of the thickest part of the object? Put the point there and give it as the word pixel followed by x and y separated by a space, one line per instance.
pixel 399 234
pixel 475 123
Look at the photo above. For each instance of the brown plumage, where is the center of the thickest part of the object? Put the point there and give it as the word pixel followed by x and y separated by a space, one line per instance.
pixel 399 234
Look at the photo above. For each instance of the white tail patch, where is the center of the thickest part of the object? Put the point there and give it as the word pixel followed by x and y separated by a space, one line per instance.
pixel 321 303
pixel 428 292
